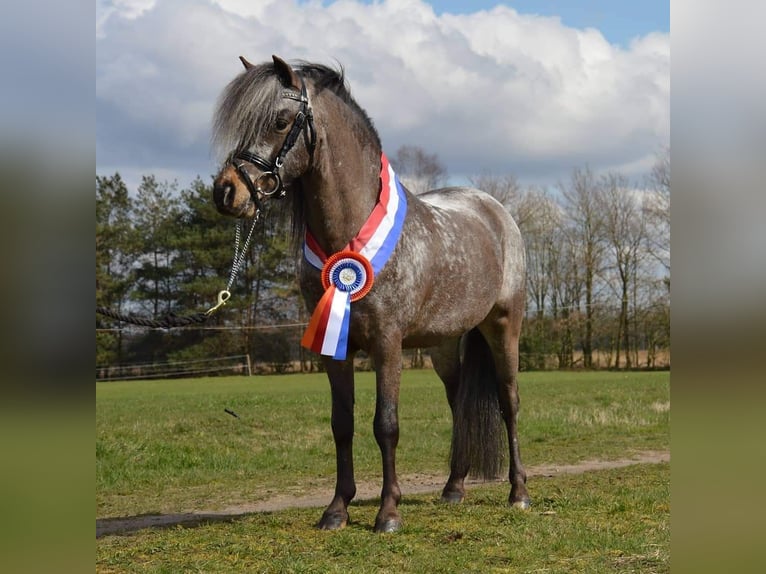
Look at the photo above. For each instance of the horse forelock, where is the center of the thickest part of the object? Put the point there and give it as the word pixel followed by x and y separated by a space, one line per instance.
pixel 246 107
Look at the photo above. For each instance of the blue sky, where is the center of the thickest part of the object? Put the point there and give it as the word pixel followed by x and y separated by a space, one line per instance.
pixel 618 20
pixel 574 83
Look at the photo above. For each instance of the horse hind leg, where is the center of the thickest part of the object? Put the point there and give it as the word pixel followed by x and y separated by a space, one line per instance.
pixel 477 424
pixel 446 362
pixel 502 331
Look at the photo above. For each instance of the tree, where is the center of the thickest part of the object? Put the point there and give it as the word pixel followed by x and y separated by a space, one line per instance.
pixel 156 214
pixel 507 190
pixel 567 289
pixel 419 171
pixel 624 232
pixel 201 265
pixel 580 202
pixel 272 286
pixel 114 260
pixel 541 221
pixel 657 208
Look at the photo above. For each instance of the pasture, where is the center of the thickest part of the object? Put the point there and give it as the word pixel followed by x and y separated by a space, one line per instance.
pixel 169 447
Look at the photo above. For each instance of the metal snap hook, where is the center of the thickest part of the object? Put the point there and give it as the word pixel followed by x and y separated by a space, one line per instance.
pixel 223 296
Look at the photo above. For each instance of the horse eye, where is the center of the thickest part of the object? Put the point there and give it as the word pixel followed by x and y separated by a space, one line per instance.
pixel 282 124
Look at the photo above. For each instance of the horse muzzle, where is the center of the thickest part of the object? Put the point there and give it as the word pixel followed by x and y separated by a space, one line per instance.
pixel 231 197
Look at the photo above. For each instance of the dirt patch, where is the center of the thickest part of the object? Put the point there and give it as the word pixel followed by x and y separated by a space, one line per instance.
pixel 410 484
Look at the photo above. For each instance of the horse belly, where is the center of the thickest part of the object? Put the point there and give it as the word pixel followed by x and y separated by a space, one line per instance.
pixel 462 292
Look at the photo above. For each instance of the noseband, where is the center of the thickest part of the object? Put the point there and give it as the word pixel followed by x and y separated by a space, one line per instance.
pixel 269 182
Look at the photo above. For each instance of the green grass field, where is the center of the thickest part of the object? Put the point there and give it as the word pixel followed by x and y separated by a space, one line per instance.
pixel 169 447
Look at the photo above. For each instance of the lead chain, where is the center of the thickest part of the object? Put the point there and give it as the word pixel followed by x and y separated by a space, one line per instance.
pixel 239 258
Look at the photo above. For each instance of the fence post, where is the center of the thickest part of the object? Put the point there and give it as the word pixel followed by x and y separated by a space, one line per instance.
pixel 249 366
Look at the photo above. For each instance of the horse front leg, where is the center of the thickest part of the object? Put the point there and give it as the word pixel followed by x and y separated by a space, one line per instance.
pixel 341 375
pixel 388 363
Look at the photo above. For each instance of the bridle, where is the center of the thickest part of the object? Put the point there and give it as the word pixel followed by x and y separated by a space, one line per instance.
pixel 270 182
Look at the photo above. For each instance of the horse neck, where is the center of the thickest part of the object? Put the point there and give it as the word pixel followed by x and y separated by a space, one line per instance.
pixel 341 190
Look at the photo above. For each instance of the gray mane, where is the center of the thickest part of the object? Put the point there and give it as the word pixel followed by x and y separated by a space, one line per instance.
pixel 251 101
pixel 246 105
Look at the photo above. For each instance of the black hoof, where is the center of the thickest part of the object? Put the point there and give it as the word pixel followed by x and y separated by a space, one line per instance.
pixel 386 526
pixel 452 497
pixel 332 522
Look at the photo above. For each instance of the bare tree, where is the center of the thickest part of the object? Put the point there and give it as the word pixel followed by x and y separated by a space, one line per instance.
pixel 567 288
pixel 582 206
pixel 625 233
pixel 657 209
pixel 542 221
pixel 505 188
pixel 418 170
pixel 543 218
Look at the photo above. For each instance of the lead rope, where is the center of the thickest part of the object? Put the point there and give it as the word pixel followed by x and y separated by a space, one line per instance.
pixel 172 320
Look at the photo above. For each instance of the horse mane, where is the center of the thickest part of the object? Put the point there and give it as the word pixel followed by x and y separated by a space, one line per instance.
pixel 249 104
pixel 324 77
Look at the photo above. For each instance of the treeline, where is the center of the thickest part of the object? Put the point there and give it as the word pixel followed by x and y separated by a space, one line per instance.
pixel 597 256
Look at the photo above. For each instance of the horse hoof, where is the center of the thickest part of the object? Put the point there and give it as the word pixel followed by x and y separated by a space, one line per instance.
pixel 387 526
pixel 332 522
pixel 452 497
pixel 522 504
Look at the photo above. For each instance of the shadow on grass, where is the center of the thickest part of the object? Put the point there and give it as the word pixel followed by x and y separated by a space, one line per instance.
pixel 125 525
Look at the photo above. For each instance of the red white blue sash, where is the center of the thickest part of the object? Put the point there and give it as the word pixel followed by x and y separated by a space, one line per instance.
pixel 348 275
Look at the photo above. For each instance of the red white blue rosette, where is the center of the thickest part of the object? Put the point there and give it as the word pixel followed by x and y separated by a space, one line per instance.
pixel 349 272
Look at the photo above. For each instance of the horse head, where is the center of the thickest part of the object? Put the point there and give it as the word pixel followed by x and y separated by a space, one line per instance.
pixel 260 118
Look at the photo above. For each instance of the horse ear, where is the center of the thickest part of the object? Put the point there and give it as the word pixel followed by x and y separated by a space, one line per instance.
pixel 245 63
pixel 286 74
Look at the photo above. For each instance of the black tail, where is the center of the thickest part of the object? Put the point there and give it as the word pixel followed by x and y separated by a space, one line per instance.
pixel 478 432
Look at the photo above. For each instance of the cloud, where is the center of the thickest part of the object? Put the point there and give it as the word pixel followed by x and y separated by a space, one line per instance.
pixel 490 91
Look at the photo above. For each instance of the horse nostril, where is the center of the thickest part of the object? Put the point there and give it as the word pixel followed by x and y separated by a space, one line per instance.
pixel 223 194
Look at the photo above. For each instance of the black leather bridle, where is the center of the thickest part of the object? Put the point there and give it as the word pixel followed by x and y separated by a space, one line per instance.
pixel 269 182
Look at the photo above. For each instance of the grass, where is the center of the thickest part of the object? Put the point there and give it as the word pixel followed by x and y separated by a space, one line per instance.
pixel 606 521
pixel 169 447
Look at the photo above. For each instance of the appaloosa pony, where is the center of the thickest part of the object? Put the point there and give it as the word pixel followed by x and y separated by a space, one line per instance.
pixel 381 269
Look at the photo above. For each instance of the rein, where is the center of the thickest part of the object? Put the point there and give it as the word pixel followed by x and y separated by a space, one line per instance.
pixel 172 320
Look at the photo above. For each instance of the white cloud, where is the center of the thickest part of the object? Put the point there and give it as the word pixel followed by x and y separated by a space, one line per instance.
pixel 490 91
pixel 128 9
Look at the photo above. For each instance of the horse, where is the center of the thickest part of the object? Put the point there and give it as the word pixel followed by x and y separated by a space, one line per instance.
pixel 383 270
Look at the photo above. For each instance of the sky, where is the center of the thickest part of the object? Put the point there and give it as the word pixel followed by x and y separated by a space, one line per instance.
pixel 533 89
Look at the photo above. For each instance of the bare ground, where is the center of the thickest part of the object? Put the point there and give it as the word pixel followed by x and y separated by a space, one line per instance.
pixel 410 484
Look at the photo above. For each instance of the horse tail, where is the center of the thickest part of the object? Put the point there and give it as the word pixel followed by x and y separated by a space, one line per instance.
pixel 478 430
